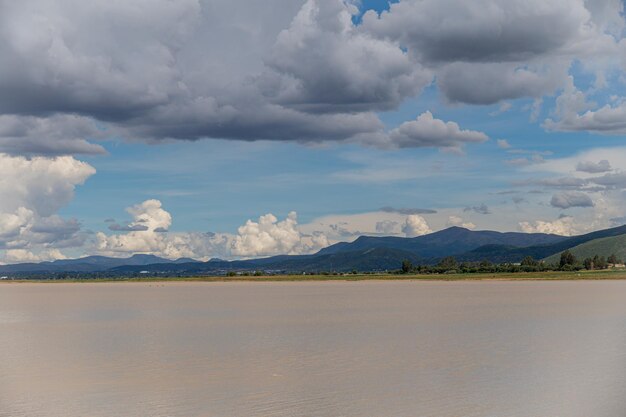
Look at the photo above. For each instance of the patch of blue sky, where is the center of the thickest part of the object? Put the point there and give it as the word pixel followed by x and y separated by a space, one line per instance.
pixel 365 5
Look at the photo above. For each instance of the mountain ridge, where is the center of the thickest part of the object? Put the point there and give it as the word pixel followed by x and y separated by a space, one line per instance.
pixel 365 254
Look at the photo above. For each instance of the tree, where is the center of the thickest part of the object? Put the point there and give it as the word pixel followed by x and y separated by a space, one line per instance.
pixel 448 263
pixel 588 263
pixel 407 266
pixel 599 262
pixel 529 261
pixel 485 264
pixel 613 260
pixel 567 258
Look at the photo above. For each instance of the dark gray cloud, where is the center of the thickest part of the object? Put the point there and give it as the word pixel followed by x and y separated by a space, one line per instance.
pixel 616 180
pixel 153 78
pixel 127 227
pixel 510 49
pixel 54 135
pixel 276 70
pixel 407 211
pixel 51 232
pixel 482 209
pixel 490 83
pixel 594 167
pixel 569 199
pixel 504 30
pixel 323 63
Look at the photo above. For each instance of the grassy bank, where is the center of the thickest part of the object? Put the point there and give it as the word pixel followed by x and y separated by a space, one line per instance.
pixel 520 276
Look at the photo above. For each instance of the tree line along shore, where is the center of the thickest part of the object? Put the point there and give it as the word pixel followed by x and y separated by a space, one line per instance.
pixel 567 263
pixel 569 267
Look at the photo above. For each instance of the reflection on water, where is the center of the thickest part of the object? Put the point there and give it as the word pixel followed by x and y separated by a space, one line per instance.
pixel 540 349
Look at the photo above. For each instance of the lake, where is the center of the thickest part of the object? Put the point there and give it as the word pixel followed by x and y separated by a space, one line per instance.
pixel 369 348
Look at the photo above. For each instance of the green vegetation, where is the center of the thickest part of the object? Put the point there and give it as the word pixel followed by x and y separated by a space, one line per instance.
pixel 607 246
pixel 568 267
pixel 567 262
pixel 616 274
pixel 449 265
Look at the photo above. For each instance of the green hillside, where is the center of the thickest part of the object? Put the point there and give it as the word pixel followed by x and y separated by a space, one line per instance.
pixel 603 247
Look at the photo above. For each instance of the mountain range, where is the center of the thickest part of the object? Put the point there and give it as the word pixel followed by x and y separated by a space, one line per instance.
pixel 365 254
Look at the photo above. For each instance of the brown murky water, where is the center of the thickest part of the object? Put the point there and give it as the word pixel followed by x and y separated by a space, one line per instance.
pixel 432 349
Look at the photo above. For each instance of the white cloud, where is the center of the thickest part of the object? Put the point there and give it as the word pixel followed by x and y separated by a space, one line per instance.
pixel 151 238
pixel 32 190
pixel 13 256
pixel 427 131
pixel 151 215
pixel 609 120
pixel 43 185
pixel 415 225
pixel 269 236
pixel 563 226
pixel 265 237
pixel 503 144
pixel 458 221
pixel 504 107
pixel 615 157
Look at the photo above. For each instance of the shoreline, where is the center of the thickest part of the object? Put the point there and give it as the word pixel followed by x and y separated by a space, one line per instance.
pixel 521 276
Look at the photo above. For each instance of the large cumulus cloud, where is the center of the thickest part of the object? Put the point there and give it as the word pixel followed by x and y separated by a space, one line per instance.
pixel 276 70
pixel 32 190
pixel 72 72
pixel 563 226
pixel 266 237
pixel 490 50
pixel 329 65
pixel 193 69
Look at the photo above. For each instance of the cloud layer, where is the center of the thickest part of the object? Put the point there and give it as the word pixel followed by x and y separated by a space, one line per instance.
pixel 75 72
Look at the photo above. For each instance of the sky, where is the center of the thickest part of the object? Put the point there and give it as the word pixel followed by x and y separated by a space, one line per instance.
pixel 213 128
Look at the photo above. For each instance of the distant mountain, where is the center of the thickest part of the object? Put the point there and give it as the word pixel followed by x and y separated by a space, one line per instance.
pixel 364 254
pixel 511 253
pixel 447 242
pixel 372 259
pixel 88 264
pixel 606 246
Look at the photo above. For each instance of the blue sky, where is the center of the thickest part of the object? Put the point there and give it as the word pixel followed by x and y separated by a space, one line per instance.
pixel 214 184
pixel 209 115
